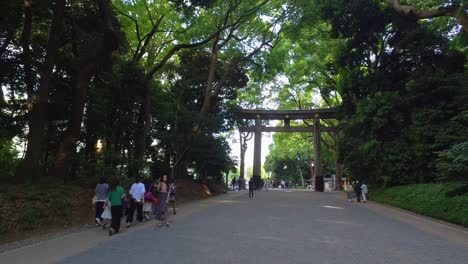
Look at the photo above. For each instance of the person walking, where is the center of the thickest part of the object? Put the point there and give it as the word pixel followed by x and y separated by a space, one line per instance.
pixel 172 197
pixel 137 191
pixel 251 188
pixel 364 192
pixel 350 192
pixel 163 189
pixel 233 183
pixel 239 184
pixel 116 193
pixel 357 191
pixel 266 185
pixel 148 203
pixel 101 191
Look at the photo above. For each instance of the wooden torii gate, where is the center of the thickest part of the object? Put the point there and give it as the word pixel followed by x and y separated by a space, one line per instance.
pixel 287 116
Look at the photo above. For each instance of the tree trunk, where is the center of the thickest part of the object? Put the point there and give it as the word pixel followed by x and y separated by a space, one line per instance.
pixel 208 101
pixel 167 159
pixel 26 56
pixel 338 165
pixel 102 51
pixel 68 144
pixel 339 176
pixel 181 168
pixel 300 175
pixel 142 133
pixel 3 48
pixel 30 165
pixel 242 157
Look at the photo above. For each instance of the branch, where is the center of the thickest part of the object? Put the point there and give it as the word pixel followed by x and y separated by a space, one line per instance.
pixel 149 12
pixel 147 38
pixel 137 28
pixel 452 10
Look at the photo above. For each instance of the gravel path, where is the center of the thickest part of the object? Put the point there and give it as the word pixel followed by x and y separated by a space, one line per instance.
pixel 273 227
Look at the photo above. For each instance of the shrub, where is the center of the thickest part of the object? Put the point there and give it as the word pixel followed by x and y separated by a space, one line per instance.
pixel 28 219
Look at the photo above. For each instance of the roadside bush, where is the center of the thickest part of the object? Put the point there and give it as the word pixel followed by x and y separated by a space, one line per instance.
pixel 453 163
pixel 28 219
pixel 444 201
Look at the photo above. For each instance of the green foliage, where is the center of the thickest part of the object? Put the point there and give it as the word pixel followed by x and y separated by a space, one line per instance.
pixel 402 87
pixel 8 159
pixel 428 199
pixel 28 219
pixel 453 163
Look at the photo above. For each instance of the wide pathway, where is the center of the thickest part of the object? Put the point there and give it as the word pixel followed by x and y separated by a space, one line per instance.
pixel 273 227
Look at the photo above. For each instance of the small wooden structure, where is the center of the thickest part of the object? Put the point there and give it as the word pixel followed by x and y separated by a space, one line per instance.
pixel 287 116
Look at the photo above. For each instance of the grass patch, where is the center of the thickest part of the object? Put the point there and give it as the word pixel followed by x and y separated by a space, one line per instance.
pixel 28 219
pixel 446 201
pixel 29 206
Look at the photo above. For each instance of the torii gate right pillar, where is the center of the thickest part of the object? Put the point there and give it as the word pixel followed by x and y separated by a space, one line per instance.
pixel 318 176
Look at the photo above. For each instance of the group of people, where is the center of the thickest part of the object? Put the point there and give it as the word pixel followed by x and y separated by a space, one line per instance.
pixel 287 184
pixel 358 190
pixel 240 185
pixel 112 202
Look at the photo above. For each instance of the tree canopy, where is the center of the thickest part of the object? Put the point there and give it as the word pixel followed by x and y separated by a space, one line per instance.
pixel 132 87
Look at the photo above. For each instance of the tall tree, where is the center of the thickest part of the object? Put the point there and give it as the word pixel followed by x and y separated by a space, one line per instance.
pixel 98 50
pixel 30 165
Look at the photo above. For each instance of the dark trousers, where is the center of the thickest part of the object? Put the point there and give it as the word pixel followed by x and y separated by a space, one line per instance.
pixel 116 212
pixel 358 197
pixel 139 208
pixel 251 192
pixel 99 209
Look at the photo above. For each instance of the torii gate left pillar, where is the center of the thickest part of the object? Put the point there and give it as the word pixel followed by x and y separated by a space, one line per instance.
pixel 257 163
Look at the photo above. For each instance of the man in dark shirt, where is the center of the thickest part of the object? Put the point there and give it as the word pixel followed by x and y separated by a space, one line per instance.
pixel 357 190
pixel 251 188
pixel 233 183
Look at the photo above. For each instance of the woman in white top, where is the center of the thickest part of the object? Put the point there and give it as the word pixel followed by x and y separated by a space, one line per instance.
pixel 364 192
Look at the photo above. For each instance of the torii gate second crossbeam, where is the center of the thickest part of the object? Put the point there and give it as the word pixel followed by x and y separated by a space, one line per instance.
pixel 287 116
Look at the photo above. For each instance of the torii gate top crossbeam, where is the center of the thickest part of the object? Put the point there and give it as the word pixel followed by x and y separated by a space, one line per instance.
pixel 327 113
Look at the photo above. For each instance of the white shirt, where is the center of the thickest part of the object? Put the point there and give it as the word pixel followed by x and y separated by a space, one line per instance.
pixel 137 191
pixel 364 188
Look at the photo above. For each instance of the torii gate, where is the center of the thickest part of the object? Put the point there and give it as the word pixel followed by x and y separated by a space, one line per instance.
pixel 287 116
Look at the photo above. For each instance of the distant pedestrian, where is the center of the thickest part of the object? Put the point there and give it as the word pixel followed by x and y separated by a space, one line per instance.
pixel 163 190
pixel 364 192
pixel 350 192
pixel 116 193
pixel 101 191
pixel 137 191
pixel 357 191
pixel 251 188
pixel 266 185
pixel 233 183
pixel 283 184
pixel 239 184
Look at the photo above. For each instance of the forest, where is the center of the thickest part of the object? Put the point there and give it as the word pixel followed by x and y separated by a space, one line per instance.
pixel 94 88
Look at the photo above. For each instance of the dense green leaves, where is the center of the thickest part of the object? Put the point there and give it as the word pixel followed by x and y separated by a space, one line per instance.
pixel 162 102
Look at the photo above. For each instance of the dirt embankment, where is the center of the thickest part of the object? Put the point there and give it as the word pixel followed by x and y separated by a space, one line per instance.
pixel 30 211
